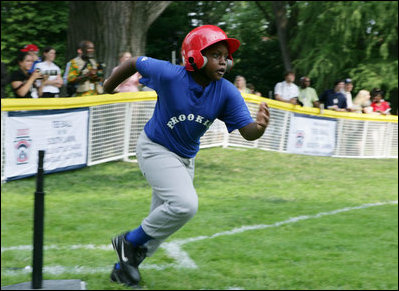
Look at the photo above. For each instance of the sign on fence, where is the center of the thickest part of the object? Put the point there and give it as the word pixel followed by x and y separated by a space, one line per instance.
pixel 311 135
pixel 62 134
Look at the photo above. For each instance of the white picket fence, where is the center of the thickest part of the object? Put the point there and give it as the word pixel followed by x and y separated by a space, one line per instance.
pixel 114 128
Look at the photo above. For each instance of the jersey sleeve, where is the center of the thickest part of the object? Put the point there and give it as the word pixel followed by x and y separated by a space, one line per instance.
pixel 154 71
pixel 235 111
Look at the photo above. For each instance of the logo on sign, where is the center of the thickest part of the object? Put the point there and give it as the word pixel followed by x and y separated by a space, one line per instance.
pixel 299 138
pixel 22 146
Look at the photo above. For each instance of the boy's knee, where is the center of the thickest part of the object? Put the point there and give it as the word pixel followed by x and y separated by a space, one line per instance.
pixel 186 208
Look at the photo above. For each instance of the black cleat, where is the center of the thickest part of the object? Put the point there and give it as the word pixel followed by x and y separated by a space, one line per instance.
pixel 130 257
pixel 118 276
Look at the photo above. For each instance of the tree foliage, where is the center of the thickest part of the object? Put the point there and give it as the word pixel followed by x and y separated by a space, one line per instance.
pixel 259 58
pixel 326 40
pixel 168 31
pixel 43 23
pixel 355 39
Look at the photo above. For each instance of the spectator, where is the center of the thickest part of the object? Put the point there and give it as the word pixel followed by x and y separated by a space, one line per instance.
pixel 323 97
pixel 131 84
pixel 85 72
pixel 22 83
pixel 241 84
pixel 334 99
pixel 361 103
pixel 307 95
pixel 348 87
pixel 287 91
pixel 70 88
pixel 52 74
pixel 4 79
pixel 252 90
pixel 379 105
pixel 33 50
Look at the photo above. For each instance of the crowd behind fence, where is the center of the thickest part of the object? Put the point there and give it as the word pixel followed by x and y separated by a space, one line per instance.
pixel 115 122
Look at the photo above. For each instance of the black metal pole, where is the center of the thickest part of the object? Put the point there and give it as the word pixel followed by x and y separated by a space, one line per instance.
pixel 38 227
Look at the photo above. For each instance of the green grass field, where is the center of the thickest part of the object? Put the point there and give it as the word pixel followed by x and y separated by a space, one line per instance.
pixel 354 248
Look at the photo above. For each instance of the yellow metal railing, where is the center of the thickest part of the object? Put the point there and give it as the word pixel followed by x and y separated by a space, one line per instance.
pixel 19 104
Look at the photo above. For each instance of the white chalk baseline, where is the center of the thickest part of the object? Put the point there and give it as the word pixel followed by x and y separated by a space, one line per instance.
pixel 173 249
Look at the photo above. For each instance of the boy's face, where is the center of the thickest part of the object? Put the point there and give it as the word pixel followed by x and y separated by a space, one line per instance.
pixel 217 61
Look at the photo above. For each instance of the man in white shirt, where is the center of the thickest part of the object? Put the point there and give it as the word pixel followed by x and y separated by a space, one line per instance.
pixel 287 91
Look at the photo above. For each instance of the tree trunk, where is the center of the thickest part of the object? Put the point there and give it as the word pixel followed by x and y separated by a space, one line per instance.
pixel 281 23
pixel 113 27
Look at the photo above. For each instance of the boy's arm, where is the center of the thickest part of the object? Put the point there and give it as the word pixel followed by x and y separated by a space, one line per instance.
pixel 124 71
pixel 256 129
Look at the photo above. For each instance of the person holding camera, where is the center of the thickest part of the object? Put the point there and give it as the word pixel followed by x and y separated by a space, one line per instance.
pixel 86 72
pixel 23 84
pixel 52 80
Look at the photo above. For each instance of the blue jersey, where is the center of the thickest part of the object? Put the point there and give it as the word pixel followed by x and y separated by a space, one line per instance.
pixel 184 109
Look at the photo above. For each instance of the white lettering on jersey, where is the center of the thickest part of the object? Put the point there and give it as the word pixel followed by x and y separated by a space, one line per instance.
pixel 199 119
pixel 191 117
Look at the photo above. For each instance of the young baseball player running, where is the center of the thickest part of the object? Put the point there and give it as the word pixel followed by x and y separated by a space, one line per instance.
pixel 190 98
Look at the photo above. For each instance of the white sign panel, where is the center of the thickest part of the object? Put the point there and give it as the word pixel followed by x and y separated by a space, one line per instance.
pixel 311 135
pixel 62 134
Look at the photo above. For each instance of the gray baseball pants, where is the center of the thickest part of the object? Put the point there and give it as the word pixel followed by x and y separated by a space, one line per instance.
pixel 174 199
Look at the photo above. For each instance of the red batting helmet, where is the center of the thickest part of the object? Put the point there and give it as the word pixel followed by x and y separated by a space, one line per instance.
pixel 200 38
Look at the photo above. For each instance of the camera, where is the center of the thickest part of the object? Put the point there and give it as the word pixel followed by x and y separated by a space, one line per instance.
pixel 48 72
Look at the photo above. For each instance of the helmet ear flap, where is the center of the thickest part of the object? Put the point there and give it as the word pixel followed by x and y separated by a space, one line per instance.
pixel 196 60
pixel 205 61
pixel 229 65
